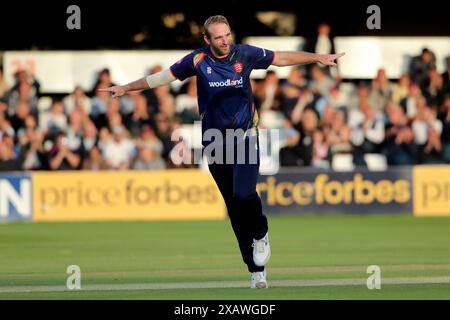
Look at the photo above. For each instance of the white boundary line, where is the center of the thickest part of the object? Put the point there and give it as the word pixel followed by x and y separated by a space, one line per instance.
pixel 223 284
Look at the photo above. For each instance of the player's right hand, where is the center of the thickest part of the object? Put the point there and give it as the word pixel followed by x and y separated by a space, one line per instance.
pixel 116 91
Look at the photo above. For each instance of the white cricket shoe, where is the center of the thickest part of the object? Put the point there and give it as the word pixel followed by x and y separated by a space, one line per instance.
pixel 259 280
pixel 261 251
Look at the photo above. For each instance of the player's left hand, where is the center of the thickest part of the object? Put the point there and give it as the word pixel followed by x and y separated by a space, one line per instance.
pixel 329 59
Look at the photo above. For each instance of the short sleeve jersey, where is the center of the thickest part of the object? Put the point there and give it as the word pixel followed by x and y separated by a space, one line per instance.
pixel 224 91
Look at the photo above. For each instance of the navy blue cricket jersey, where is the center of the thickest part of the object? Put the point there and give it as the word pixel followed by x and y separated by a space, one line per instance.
pixel 224 92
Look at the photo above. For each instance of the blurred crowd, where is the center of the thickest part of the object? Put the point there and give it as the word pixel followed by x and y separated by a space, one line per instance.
pixel 407 120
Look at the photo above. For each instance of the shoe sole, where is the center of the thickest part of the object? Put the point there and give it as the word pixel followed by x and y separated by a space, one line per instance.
pixel 261 285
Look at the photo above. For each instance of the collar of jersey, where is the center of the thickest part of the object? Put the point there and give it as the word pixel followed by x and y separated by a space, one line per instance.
pixel 224 59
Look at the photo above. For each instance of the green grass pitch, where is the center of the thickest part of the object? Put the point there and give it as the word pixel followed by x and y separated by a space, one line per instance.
pixel 313 257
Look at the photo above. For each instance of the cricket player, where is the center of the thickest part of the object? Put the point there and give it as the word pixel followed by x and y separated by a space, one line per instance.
pixel 225 101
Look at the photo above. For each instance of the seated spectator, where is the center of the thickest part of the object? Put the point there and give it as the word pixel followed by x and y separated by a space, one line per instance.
pixel 409 104
pixel 95 161
pixel 150 95
pixel 301 152
pixel 149 158
pixel 74 132
pixel 446 76
pixel 23 94
pixel 380 91
pixel 444 116
pixel 338 137
pixel 320 150
pixel 433 91
pixel 4 86
pixel 99 105
pixel 61 157
pixel 77 99
pixel 135 120
pixel 104 137
pixel 291 89
pixel 164 133
pixel 90 137
pixel 401 89
pixel 186 103
pixel 55 120
pixel 271 90
pixel 427 130
pixel 119 151
pixel 167 105
pixel 9 159
pixel 307 100
pixel 367 132
pixel 22 111
pixel 32 149
pixel 336 99
pixel 148 138
pixel 5 126
pixel 399 147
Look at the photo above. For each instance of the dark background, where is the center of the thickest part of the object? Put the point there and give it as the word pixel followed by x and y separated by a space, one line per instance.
pixel 112 25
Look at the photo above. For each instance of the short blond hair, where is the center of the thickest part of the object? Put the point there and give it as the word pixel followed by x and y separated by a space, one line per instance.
pixel 213 20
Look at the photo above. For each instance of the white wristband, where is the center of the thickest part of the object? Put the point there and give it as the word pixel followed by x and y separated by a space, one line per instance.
pixel 159 79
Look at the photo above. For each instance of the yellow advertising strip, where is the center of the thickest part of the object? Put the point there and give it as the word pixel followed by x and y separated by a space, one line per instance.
pixel 431 190
pixel 130 195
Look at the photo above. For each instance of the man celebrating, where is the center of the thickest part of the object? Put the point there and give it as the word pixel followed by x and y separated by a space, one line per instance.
pixel 225 102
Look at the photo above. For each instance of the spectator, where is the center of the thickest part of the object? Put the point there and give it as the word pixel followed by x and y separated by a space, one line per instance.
pixel 338 138
pixel 444 116
pixel 21 113
pixel 9 159
pixel 103 81
pixel 367 132
pixel 434 90
pixel 5 126
pixel 55 120
pixel 321 83
pixel 4 86
pixel 446 76
pixel 380 91
pixel 186 103
pixel 61 157
pixel 32 149
pixel 399 146
pixel 427 130
pixel 164 133
pixel 272 90
pixel 74 132
pixel 420 65
pixel 323 43
pixel 90 137
pixel 119 151
pixel 77 99
pixel 138 117
pixel 23 93
pixel 291 90
pixel 148 159
pixel 95 161
pixel 150 95
pixel 300 154
pixel 99 106
pixel 401 89
pixel 410 103
pixel 320 150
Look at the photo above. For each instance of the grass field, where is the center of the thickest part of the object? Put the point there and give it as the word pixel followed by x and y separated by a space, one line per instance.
pixel 313 257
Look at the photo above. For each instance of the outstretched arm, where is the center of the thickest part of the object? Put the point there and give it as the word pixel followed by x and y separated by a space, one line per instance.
pixel 152 81
pixel 285 58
